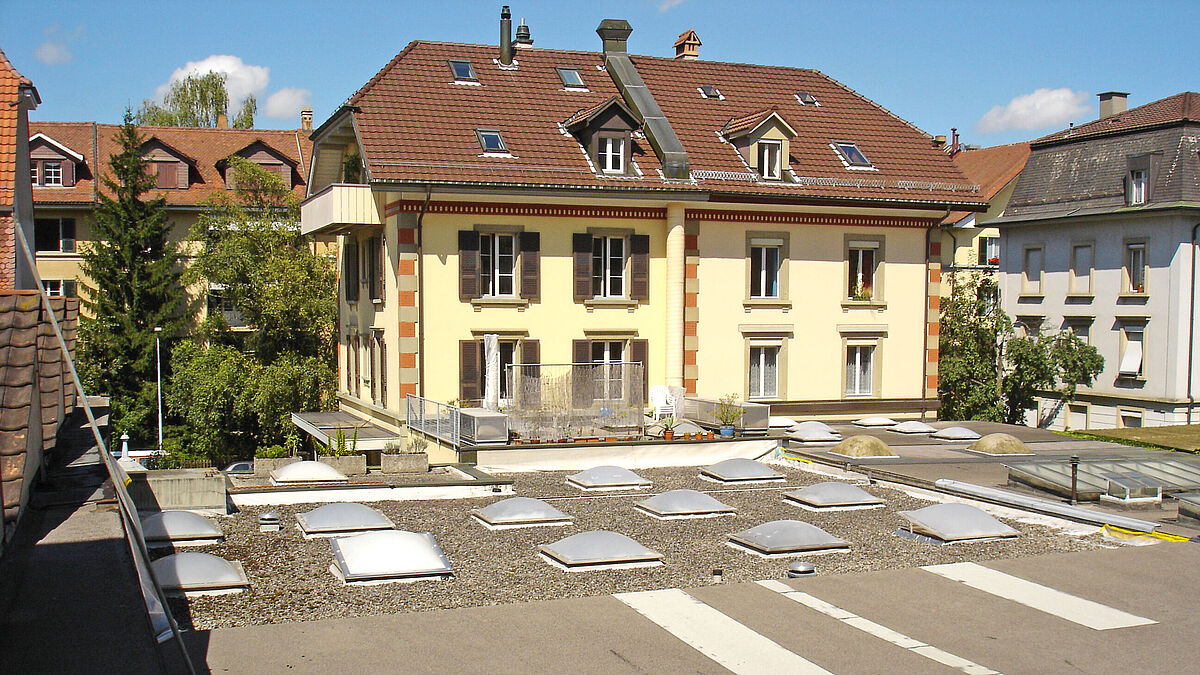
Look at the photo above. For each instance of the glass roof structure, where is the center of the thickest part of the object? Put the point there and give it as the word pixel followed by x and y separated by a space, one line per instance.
pixel 955 434
pixel 780 538
pixel 389 556
pixel 831 496
pixel 199 574
pixel 599 549
pixel 875 422
pixel 680 504
pixel 180 528
pixel 741 470
pixel 1189 505
pixel 341 518
pixel 608 478
pixel 913 427
pixel 955 522
pixel 307 472
pixel 520 512
pixel 1171 475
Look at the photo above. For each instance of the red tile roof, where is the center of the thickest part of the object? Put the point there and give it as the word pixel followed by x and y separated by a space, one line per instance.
pixel 10 82
pixel 993 168
pixel 203 146
pixel 417 125
pixel 1184 106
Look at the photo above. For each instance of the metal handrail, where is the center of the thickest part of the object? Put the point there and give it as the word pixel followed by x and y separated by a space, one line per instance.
pixel 445 424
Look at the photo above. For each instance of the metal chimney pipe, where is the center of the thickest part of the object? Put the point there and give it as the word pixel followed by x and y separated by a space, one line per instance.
pixel 506 46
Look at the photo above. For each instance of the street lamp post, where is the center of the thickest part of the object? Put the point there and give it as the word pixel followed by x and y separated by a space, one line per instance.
pixel 158 366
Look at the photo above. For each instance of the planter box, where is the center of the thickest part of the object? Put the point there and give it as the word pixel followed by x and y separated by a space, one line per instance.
pixel 263 467
pixel 349 465
pixel 405 463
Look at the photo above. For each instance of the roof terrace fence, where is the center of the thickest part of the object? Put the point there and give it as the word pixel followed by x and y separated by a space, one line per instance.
pixel 555 401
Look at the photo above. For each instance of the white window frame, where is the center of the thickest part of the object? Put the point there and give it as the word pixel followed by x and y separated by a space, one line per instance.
pixel 1123 413
pixel 1135 259
pixel 770 159
pixel 505 345
pixel 604 276
pixel 989 248
pixel 33 173
pixel 53 287
pixel 1029 285
pixel 856 253
pixel 763 356
pixel 610 152
pixel 862 384
pixel 767 275
pixel 496 268
pixel 1139 180
pixel 52 174
pixel 608 380
pixel 1133 353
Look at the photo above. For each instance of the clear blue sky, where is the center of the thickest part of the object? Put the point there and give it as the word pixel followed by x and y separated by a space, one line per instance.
pixel 936 64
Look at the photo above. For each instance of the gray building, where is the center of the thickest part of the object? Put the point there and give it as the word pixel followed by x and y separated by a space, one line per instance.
pixel 1099 237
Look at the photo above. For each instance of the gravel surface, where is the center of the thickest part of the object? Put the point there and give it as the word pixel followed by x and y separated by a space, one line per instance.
pixel 290 578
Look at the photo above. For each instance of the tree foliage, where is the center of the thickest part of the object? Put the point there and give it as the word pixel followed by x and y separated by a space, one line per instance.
pixel 988 372
pixel 134 275
pixel 235 390
pixel 196 101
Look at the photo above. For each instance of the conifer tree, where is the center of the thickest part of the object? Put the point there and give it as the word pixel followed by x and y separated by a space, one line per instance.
pixel 133 286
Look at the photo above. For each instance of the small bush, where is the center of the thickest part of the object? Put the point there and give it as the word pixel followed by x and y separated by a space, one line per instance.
pixel 271 452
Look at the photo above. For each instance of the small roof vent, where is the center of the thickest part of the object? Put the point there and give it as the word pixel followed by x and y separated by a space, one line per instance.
pixel 341 518
pixel 679 504
pixel 194 574
pixel 520 512
pixel 832 496
pixel 806 98
pixel 687 45
pixel 608 478
pixel 710 91
pixel 741 470
pixel 180 528
pixel 953 522
pixel 780 538
pixel 599 549
pixel 389 556
pixel 307 472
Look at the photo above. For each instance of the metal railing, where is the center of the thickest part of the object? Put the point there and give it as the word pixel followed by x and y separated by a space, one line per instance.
pixel 434 418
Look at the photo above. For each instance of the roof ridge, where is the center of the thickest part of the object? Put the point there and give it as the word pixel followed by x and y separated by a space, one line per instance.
pixel 873 103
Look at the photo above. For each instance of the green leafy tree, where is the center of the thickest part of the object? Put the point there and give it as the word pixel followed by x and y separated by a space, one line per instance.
pixel 235 390
pixel 134 273
pixel 196 101
pixel 988 372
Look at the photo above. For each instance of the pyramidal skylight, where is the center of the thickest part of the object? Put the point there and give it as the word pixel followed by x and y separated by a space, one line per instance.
pixel 781 538
pixel 340 519
pixel 954 522
pixel 608 478
pixel 389 556
pixel 599 549
pixel 193 574
pixel 832 496
pixel 520 512
pixel 741 470
pixel 180 528
pixel 679 504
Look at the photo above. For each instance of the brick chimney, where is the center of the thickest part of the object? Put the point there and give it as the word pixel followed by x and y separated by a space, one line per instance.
pixel 222 121
pixel 306 118
pixel 1113 103
pixel 688 46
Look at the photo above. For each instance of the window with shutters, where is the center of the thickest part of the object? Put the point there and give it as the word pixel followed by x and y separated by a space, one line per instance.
pixel 1132 364
pixel 383 370
pixel 605 353
pixel 357 351
pixel 54 235
pixel 611 267
pixel 52 174
pixel 769 153
pixel 508 356
pixel 989 251
pixel 473 367
pixel 33 173
pixel 66 288
pixel 499 266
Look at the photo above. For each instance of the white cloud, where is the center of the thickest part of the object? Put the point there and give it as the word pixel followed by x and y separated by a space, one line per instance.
pixel 52 53
pixel 1043 108
pixel 242 79
pixel 285 104
pixel 664 5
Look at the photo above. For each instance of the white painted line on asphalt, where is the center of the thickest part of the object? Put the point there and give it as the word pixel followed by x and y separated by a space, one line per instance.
pixel 882 632
pixel 715 635
pixel 1039 597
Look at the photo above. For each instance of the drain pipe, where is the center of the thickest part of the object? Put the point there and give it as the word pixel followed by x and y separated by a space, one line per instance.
pixel 421 293
pixel 1192 328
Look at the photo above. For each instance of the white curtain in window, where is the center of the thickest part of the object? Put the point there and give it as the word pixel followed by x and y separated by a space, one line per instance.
pixel 491 359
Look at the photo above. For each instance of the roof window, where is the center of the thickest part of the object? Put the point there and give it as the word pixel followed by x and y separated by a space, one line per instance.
pixel 710 91
pixel 852 156
pixel 571 78
pixel 806 98
pixel 463 71
pixel 491 141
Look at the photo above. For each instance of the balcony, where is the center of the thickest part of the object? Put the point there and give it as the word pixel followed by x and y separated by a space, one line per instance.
pixel 339 208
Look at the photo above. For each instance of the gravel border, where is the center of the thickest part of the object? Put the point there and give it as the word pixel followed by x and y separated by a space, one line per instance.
pixel 290 578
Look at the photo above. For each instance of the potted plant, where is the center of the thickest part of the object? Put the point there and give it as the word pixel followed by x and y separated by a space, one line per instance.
pixel 862 293
pixel 669 423
pixel 728 413
pixel 342 453
pixel 406 459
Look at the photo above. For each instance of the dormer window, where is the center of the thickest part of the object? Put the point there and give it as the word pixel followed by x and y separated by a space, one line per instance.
pixel 611 154
pixel 769 153
pixel 710 91
pixel 492 142
pixel 806 98
pixel 52 173
pixel 571 78
pixel 852 157
pixel 463 71
pixel 1138 181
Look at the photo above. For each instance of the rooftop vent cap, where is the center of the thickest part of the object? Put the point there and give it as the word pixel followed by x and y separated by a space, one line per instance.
pixel 687 46
pixel 614 33
pixel 801 569
pixel 506 46
pixel 306 115
pixel 268 522
pixel 1113 103
pixel 524 41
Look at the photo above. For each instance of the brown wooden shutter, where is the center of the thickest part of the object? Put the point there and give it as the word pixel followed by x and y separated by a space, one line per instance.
pixel 639 351
pixel 581 253
pixel 530 263
pixel 350 269
pixel 383 370
pixel 531 390
pixel 165 176
pixel 639 267
pixel 181 175
pixel 582 376
pixel 468 368
pixel 375 268
pixel 468 264
pixel 68 173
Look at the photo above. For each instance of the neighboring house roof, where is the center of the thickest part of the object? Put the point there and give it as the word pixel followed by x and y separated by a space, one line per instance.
pixel 416 125
pixel 992 168
pixel 10 83
pixel 1181 107
pixel 205 148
